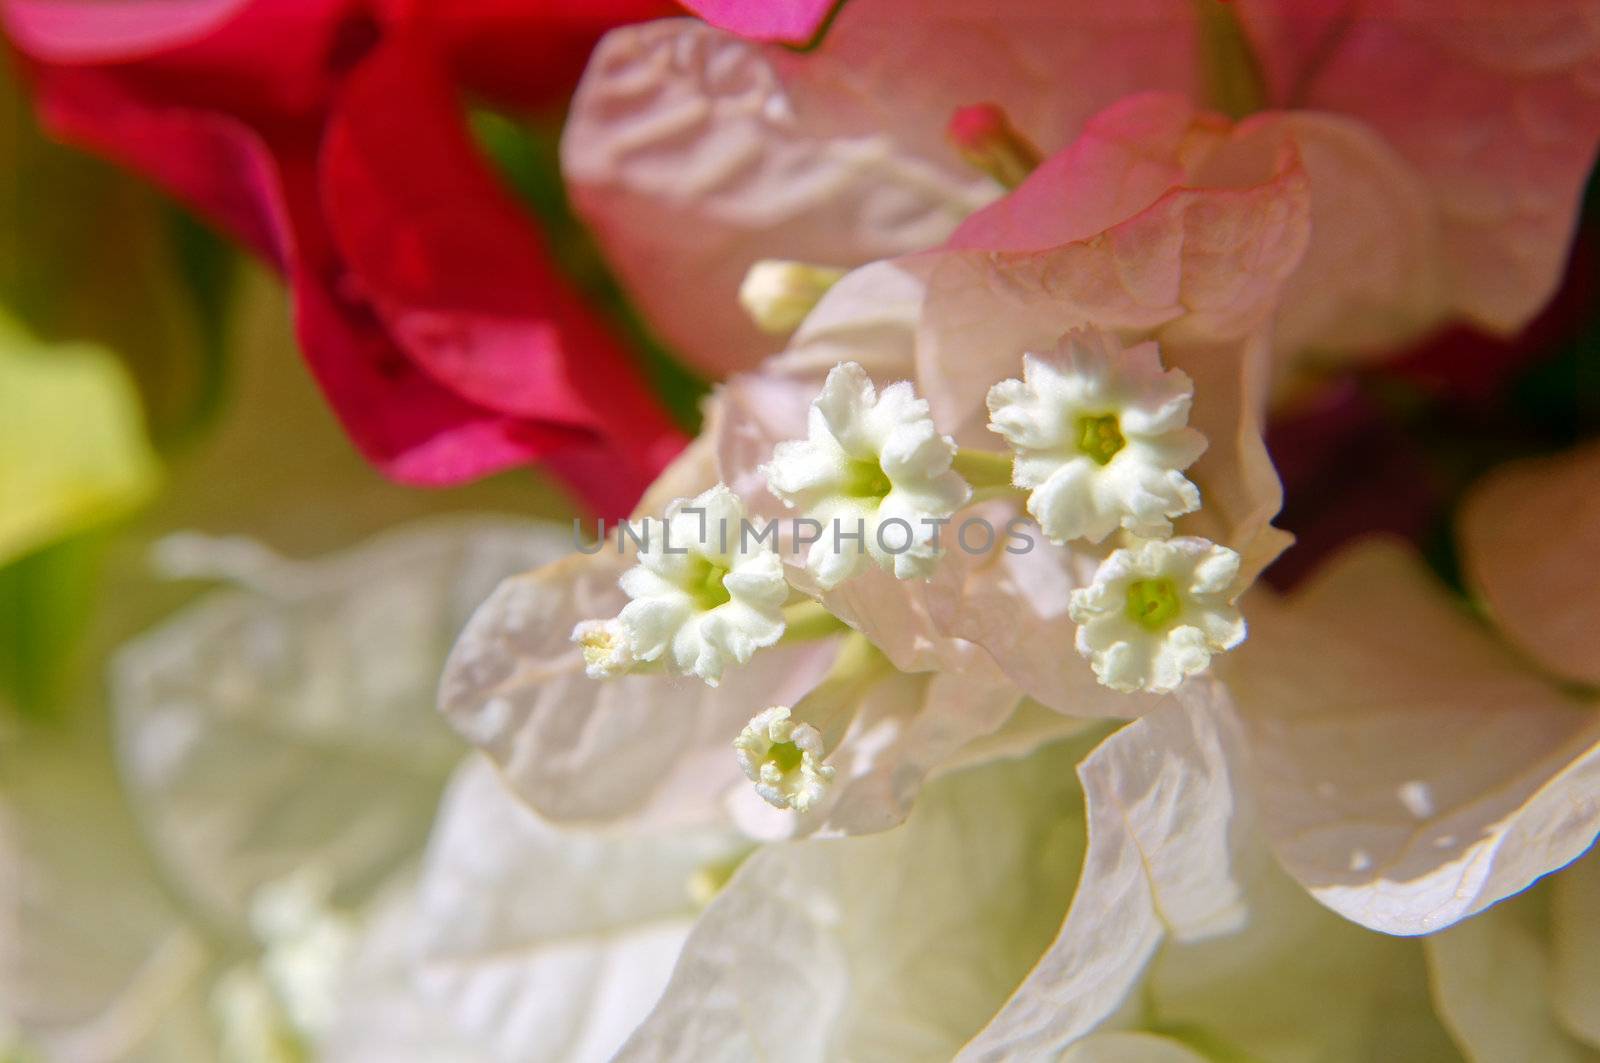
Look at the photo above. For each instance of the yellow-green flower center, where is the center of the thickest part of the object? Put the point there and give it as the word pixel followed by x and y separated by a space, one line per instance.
pixel 704 583
pixel 786 755
pixel 1100 437
pixel 1152 603
pixel 865 478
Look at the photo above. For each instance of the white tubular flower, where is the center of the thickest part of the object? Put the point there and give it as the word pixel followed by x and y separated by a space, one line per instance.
pixel 1100 438
pixel 778 294
pixel 605 648
pixel 874 472
pixel 704 594
pixel 1157 612
pixel 784 760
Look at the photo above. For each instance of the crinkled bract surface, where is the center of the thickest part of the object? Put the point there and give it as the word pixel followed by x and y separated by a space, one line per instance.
pixel 284 728
pixel 694 154
pixel 1391 825
pixel 1519 981
pixel 537 942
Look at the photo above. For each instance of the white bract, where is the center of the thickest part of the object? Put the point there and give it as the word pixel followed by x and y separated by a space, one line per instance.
pixel 1101 438
pixel 704 593
pixel 784 759
pixel 874 473
pixel 1155 613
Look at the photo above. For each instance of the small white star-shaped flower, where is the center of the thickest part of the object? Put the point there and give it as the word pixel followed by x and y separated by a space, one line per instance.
pixel 704 594
pixel 1101 438
pixel 1156 613
pixel 874 472
pixel 784 760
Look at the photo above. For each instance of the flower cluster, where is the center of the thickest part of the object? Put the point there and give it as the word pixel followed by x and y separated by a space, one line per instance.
pixel 1085 351
pixel 1098 433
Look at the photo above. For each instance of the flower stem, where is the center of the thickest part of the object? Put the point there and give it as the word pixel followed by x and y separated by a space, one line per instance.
pixel 983 468
pixel 832 703
pixel 807 621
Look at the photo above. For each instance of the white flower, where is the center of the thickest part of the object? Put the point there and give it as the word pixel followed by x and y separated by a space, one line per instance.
pixel 605 648
pixel 784 760
pixel 778 295
pixel 305 944
pixel 874 472
pixel 705 594
pixel 1157 612
pixel 1100 437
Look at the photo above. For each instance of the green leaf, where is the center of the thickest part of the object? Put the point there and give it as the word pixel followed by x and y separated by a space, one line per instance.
pixel 46 601
pixel 73 459
pixel 90 253
pixel 73 452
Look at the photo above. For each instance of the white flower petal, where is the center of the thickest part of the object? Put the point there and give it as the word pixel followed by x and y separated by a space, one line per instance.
pixel 1095 425
pixel 705 595
pixel 124 980
pixel 545 944
pixel 890 474
pixel 784 760
pixel 1530 533
pixel 329 683
pixel 650 747
pixel 1162 860
pixel 1496 982
pixel 893 946
pixel 1180 588
pixel 906 728
pixel 1458 776
pixel 693 154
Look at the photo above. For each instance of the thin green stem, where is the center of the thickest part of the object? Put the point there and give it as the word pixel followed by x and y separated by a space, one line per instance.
pixel 983 468
pixel 833 702
pixel 807 621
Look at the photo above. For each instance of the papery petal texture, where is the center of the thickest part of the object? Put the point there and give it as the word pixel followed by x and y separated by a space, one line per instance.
pixel 283 727
pixel 1458 776
pixel 1164 833
pixel 302 711
pixel 579 749
pixel 1506 183
pixel 1529 535
pixel 892 946
pixel 538 942
pixel 1196 269
pixel 124 980
pixel 789 21
pixel 836 156
pixel 1498 982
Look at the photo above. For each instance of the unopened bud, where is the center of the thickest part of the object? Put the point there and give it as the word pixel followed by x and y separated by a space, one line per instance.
pixel 778 294
pixel 987 140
